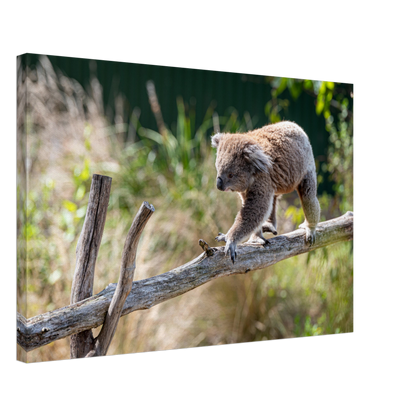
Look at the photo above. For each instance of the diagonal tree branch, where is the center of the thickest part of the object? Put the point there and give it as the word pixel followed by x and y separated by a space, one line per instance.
pixel 128 266
pixel 90 313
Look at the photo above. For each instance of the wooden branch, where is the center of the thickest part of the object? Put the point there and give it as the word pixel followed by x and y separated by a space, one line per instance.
pixel 128 266
pixel 87 252
pixel 90 313
pixel 21 328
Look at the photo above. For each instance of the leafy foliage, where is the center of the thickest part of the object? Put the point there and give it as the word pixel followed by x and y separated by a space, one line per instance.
pixel 174 169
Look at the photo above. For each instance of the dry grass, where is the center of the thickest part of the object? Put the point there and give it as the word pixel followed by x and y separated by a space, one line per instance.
pixel 68 139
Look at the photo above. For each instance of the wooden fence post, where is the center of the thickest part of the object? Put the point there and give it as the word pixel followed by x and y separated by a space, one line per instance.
pixel 83 344
pixel 87 252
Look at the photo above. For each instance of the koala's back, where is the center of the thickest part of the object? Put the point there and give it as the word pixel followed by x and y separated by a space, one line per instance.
pixel 289 148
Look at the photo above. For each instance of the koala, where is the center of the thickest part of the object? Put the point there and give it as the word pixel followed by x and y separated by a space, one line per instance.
pixel 261 165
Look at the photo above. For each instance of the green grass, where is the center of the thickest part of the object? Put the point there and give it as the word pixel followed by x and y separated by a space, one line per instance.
pixel 307 295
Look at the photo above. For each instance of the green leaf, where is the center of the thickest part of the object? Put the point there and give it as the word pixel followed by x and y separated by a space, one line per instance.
pixel 320 105
pixel 151 134
pixel 308 84
pixel 81 212
pixel 295 88
pixel 69 205
pixel 85 174
pixel 329 85
pixel 30 231
pixel 80 192
pixel 281 86
pixel 268 108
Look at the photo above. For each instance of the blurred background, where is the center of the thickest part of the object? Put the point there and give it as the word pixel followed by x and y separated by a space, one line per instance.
pixel 149 128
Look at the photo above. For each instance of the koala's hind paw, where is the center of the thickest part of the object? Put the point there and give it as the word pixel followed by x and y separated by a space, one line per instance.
pixel 258 240
pixel 268 227
pixel 221 237
pixel 230 247
pixel 310 234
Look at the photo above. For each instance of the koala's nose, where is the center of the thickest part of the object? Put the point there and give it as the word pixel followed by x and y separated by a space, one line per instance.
pixel 219 183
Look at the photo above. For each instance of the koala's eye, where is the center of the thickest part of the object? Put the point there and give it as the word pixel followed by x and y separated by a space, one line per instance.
pixel 230 175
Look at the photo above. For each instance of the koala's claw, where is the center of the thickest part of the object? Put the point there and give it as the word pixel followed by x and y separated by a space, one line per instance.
pixel 221 237
pixel 231 248
pixel 310 235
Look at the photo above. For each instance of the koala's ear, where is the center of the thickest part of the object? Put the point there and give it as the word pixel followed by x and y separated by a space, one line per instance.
pixel 255 155
pixel 215 140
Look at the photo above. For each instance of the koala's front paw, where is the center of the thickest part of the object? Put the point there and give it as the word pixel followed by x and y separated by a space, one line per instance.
pixel 310 234
pixel 230 247
pixel 221 237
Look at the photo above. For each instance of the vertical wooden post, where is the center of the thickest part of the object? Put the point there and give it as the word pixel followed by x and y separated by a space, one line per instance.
pixel 87 252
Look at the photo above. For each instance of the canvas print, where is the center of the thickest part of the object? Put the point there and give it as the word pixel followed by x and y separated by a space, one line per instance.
pixel 162 208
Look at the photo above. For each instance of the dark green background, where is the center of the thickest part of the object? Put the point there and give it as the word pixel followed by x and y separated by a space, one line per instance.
pixel 199 88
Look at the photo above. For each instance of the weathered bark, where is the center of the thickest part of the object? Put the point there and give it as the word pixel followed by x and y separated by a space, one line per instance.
pixel 125 281
pixel 21 329
pixel 90 313
pixel 87 252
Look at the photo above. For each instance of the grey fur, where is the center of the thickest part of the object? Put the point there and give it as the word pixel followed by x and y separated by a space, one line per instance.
pixel 216 139
pixel 261 165
pixel 255 155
